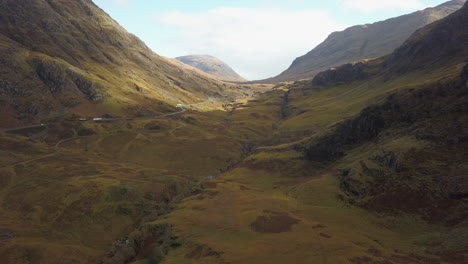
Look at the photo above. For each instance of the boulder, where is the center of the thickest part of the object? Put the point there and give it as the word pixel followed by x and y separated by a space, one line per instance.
pixel 350 185
pixel 390 160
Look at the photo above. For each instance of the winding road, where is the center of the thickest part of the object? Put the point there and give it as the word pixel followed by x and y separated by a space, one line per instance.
pixel 95 120
pixel 183 110
pixel 57 145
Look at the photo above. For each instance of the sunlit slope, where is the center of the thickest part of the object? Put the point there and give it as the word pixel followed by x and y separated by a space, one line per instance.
pixel 278 205
pixel 365 165
pixel 69 57
pixel 383 200
pixel 213 66
pixel 72 192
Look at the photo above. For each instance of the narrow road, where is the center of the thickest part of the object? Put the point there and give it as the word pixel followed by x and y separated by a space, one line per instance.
pixel 93 121
pixel 57 145
pixel 183 110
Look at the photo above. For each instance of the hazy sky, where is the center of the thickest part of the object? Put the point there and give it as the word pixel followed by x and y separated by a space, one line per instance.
pixel 258 38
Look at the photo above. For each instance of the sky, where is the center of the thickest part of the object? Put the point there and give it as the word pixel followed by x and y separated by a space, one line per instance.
pixel 258 38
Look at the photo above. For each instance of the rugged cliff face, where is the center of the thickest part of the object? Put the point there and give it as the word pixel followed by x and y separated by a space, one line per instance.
pixel 66 56
pixel 421 176
pixel 343 74
pixel 402 109
pixel 363 42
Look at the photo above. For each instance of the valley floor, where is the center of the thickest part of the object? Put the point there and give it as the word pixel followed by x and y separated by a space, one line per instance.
pixel 256 216
pixel 217 187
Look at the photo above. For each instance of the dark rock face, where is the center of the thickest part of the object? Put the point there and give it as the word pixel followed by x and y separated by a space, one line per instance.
pixel 350 185
pixel 344 74
pixel 364 127
pixel 53 75
pixel 60 79
pixel 428 179
pixel 389 160
pixel 405 109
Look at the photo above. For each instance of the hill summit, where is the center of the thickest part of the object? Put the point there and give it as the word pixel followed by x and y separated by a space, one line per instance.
pixel 213 66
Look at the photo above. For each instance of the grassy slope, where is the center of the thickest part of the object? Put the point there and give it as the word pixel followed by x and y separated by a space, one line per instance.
pixel 270 205
pixel 69 57
pixel 72 204
pixel 131 169
pixel 216 226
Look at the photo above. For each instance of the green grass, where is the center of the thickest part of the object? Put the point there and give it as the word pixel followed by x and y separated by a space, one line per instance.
pixel 74 204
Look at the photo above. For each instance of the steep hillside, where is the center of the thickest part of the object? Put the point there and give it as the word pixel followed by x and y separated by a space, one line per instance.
pixel 363 42
pixel 67 57
pixel 367 164
pixel 442 43
pixel 212 66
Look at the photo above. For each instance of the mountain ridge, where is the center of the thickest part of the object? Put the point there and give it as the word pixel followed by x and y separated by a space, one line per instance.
pixel 363 42
pixel 71 58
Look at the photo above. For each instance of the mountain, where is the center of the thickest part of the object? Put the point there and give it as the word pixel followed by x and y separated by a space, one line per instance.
pixel 366 163
pixel 363 42
pixel 62 57
pixel 440 45
pixel 212 65
pixel 416 125
pixel 443 43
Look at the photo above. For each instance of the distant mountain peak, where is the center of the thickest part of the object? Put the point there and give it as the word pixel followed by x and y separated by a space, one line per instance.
pixel 213 66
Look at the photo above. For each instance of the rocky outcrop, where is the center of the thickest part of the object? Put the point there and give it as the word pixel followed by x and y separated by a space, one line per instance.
pixel 364 127
pixel 402 109
pixel 350 185
pixel 60 79
pixel 391 160
pixel 344 74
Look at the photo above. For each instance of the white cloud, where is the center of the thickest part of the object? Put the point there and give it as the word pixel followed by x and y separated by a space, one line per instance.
pixel 256 42
pixel 121 3
pixel 367 6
